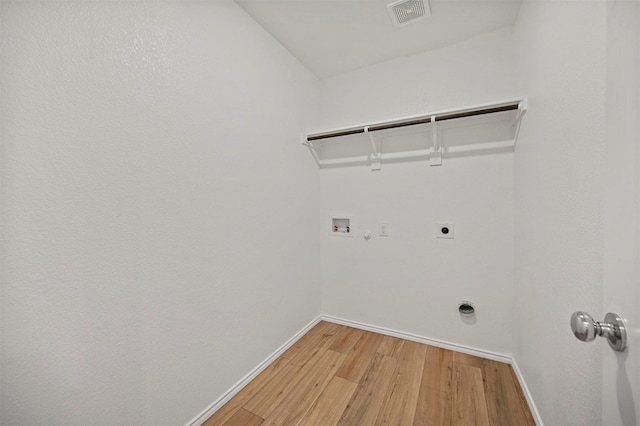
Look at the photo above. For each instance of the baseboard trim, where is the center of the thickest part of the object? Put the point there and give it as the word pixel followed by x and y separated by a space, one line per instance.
pixel 217 404
pixel 420 339
pixel 446 345
pixel 527 394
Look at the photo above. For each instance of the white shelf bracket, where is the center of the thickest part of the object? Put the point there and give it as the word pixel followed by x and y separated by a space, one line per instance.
pixel 376 156
pixel 522 110
pixel 314 150
pixel 435 159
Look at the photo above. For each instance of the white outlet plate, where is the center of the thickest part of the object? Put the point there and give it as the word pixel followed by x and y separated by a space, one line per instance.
pixel 383 229
pixel 445 230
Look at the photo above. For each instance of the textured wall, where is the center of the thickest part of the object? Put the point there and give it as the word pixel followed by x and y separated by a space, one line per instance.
pixel 158 214
pixel 477 70
pixel 559 204
pixel 410 280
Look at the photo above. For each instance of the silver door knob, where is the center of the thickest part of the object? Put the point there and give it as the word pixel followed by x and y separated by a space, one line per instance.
pixel 585 328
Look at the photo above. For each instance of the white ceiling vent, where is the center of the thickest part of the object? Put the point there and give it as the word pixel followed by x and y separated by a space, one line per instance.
pixel 404 12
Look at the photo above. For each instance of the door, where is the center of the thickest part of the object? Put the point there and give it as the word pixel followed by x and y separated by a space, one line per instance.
pixel 621 287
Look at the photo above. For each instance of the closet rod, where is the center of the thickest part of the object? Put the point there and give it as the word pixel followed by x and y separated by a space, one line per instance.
pixel 413 122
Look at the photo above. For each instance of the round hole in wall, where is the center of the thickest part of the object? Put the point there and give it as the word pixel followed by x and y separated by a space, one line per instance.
pixel 444 230
pixel 466 309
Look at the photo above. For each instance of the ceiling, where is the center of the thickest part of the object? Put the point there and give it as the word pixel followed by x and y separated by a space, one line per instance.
pixel 331 37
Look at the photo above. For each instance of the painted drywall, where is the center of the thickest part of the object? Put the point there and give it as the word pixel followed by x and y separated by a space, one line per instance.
pixel 410 280
pixel 559 186
pixel 159 218
pixel 472 72
pixel 621 378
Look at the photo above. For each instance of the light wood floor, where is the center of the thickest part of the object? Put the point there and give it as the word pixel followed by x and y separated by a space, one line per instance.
pixel 337 375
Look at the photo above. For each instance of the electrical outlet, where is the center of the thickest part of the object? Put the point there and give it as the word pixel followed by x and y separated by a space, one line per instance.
pixel 445 230
pixel 383 229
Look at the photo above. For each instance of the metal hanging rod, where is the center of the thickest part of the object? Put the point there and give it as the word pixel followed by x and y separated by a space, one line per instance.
pixel 415 121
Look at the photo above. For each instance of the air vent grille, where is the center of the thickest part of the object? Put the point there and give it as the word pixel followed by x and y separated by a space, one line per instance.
pixel 406 11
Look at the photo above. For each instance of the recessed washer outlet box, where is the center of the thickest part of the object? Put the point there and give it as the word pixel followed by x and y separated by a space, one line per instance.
pixel 341 226
pixel 403 12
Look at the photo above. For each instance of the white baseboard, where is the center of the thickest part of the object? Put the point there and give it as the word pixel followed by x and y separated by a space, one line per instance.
pixel 420 339
pixel 527 394
pixel 217 404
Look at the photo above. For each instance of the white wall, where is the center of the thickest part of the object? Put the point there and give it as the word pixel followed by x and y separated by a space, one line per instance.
pixel 411 281
pixel 559 204
pixel 159 217
pixel 475 71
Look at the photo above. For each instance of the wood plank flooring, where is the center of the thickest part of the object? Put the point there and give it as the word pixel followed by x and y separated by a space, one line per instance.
pixel 337 375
